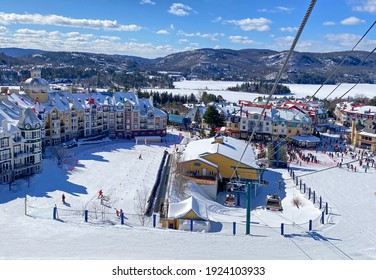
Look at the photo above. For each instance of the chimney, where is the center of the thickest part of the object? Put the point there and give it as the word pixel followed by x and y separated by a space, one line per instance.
pixel 22 114
pixel 5 125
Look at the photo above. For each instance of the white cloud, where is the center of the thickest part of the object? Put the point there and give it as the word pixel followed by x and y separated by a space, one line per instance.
pixel 180 9
pixel 38 19
pixel 241 40
pixel 82 42
pixel 142 2
pixel 344 39
pixel 163 32
pixel 30 32
pixel 72 34
pixel 110 38
pixel 211 36
pixel 284 9
pixel 276 10
pixel 289 29
pixel 217 19
pixel 284 43
pixel 352 21
pixel 328 23
pixel 3 29
pixel 348 40
pixel 247 24
pixel 368 6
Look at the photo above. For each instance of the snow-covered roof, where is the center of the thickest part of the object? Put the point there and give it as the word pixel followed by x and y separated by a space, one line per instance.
pixel 356 108
pixel 122 97
pixel 306 138
pixel 231 148
pixel 28 117
pixel 290 115
pixel 182 208
pixel 369 134
pixel 40 82
pixel 10 120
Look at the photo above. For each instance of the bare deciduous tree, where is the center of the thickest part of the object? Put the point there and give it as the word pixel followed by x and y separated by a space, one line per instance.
pixel 180 181
pixel 296 201
pixel 141 202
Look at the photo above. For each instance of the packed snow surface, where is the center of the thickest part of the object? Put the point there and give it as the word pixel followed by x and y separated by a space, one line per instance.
pixel 349 231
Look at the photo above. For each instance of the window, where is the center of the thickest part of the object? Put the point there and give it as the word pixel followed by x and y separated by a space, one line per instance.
pixel 5 154
pixel 4 142
pixel 197 164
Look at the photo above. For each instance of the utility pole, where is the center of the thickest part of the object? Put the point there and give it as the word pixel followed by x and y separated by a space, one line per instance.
pixel 248 219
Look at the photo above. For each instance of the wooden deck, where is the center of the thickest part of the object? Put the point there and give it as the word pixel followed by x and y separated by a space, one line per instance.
pixel 202 180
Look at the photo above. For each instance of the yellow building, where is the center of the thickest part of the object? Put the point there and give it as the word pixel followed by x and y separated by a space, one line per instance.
pixel 364 135
pixel 218 157
pixel 181 213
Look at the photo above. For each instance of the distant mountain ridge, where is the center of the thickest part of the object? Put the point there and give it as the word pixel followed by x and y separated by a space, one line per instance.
pixel 16 52
pixel 216 64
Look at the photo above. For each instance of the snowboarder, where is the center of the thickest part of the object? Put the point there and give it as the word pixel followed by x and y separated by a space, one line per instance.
pixel 140 156
pixel 100 194
pixel 63 198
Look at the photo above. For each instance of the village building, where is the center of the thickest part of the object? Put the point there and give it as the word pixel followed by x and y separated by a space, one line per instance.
pixel 187 214
pixel 20 142
pixel 347 112
pixel 218 158
pixel 364 135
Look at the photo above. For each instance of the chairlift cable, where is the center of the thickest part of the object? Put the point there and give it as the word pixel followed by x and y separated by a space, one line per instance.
pixel 311 97
pixel 352 71
pixel 343 60
pixel 297 36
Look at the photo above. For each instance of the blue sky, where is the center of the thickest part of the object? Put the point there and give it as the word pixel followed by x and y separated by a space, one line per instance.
pixel 155 28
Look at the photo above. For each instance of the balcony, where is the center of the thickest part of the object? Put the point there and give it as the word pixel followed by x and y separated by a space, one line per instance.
pixel 21 154
pixel 21 166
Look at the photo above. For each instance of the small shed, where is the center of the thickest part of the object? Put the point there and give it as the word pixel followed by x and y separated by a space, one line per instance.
pixel 191 208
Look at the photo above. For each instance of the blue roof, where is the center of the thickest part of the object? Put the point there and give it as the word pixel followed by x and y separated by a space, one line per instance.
pixel 178 119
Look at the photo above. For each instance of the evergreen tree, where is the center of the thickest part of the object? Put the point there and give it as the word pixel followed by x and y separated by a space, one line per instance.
pixel 212 117
pixel 197 117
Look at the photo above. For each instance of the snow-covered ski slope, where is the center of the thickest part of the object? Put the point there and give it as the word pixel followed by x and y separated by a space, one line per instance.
pixel 349 233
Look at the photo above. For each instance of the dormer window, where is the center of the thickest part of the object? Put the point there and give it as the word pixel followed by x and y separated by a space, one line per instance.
pixel 28 126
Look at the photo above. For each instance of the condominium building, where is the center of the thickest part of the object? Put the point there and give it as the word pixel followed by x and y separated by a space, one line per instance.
pixel 347 112
pixel 20 142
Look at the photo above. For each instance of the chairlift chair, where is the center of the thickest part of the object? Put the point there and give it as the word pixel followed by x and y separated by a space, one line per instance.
pixel 273 203
pixel 230 200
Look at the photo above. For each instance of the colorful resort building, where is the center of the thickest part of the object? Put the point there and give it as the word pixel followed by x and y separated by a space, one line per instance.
pixel 35 117
pixel 364 135
pixel 220 158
